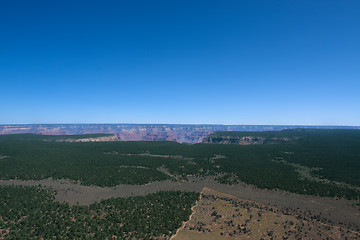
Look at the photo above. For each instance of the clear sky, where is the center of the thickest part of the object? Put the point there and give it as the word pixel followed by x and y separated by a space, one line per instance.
pixel 179 61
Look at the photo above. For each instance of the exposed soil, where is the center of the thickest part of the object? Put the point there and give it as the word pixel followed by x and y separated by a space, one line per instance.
pixel 338 211
pixel 222 216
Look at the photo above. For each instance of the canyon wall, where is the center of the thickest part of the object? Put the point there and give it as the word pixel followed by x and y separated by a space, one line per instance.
pixel 182 133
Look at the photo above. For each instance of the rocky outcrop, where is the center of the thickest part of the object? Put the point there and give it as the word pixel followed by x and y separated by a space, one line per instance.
pixel 256 139
pixel 249 140
pixel 96 139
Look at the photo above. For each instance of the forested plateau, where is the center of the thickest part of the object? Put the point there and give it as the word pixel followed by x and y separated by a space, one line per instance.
pixel 323 163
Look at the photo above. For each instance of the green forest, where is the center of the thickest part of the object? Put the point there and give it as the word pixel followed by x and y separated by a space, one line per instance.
pixel 330 154
pixel 32 213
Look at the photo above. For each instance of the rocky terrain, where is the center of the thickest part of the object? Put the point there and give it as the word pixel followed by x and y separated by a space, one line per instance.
pixel 182 133
pixel 94 139
pixel 247 140
pixel 222 216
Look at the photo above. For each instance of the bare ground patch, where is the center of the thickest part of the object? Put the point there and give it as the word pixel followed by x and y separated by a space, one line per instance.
pixel 337 211
pixel 222 216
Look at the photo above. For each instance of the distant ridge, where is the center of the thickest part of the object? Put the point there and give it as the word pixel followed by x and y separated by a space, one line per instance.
pixel 182 133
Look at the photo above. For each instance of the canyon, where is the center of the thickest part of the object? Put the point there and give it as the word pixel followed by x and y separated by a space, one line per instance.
pixel 182 133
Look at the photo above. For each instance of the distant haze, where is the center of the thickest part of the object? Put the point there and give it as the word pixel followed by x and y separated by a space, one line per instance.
pixel 183 133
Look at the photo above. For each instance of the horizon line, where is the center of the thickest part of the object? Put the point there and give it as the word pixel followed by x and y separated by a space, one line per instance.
pixel 210 124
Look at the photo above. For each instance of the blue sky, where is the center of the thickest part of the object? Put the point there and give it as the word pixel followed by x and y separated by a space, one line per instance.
pixel 221 62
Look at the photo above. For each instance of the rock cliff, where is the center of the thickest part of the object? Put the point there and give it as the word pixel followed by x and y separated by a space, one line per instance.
pixel 182 133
